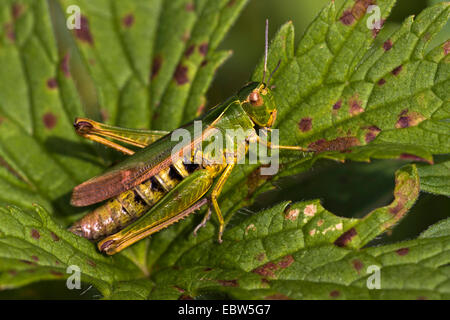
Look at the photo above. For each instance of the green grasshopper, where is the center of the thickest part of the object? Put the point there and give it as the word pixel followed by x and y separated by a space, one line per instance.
pixel 155 187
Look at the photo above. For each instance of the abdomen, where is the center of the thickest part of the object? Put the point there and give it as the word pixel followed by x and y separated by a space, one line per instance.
pixel 128 206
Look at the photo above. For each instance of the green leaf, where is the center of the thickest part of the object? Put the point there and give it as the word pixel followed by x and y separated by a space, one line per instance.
pixel 286 251
pixel 44 157
pixel 435 179
pixel 342 94
pixel 301 251
pixel 34 248
pixel 440 229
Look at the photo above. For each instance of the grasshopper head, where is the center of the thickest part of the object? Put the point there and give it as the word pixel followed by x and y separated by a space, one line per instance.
pixel 258 103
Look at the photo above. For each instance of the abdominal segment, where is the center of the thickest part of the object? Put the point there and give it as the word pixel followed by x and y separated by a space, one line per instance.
pixel 128 206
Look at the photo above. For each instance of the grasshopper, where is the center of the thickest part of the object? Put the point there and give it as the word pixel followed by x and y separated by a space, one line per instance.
pixel 152 189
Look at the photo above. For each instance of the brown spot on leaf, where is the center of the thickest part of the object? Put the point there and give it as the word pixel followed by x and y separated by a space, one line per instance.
pixel 292 214
pixel 28 262
pixel 56 273
pixel 286 261
pixel 185 297
pixel 91 263
pixel 372 133
pixel 261 256
pixel 346 237
pixel 128 20
pixel 12 272
pixel 446 47
pixel 84 33
pixel 422 298
pixel 358 265
pixel 337 105
pixel 407 156
pixel 35 258
pixel 397 208
pixel 65 66
pixel 35 234
pixel 17 10
pixel 52 83
pixel 409 119
pixel 266 270
pixel 203 48
pixel 376 30
pixel 207 269
pixel 402 251
pixel 180 290
pixel 335 294
pixel 347 18
pixel 360 8
pixel 180 75
pixel 356 12
pixel 338 144
pixel 305 124
pixel 204 63
pixel 190 7
pixel 229 283
pixel 189 51
pixel 403 122
pixel 381 82
pixel 156 66
pixel 9 31
pixel 265 282
pixel 231 3
pixel 387 45
pixel 397 70
pixel 54 236
pixel 49 120
pixel 355 106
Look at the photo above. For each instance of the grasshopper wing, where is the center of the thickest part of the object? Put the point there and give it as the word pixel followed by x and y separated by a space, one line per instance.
pixel 142 165
pixel 134 170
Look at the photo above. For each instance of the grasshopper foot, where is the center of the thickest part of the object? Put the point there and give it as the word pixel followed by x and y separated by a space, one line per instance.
pixel 203 223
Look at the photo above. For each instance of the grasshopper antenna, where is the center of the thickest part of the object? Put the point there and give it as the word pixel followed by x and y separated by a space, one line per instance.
pixel 274 70
pixel 266 51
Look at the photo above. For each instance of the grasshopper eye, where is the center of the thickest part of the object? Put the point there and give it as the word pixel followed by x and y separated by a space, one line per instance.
pixel 82 127
pixel 255 99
